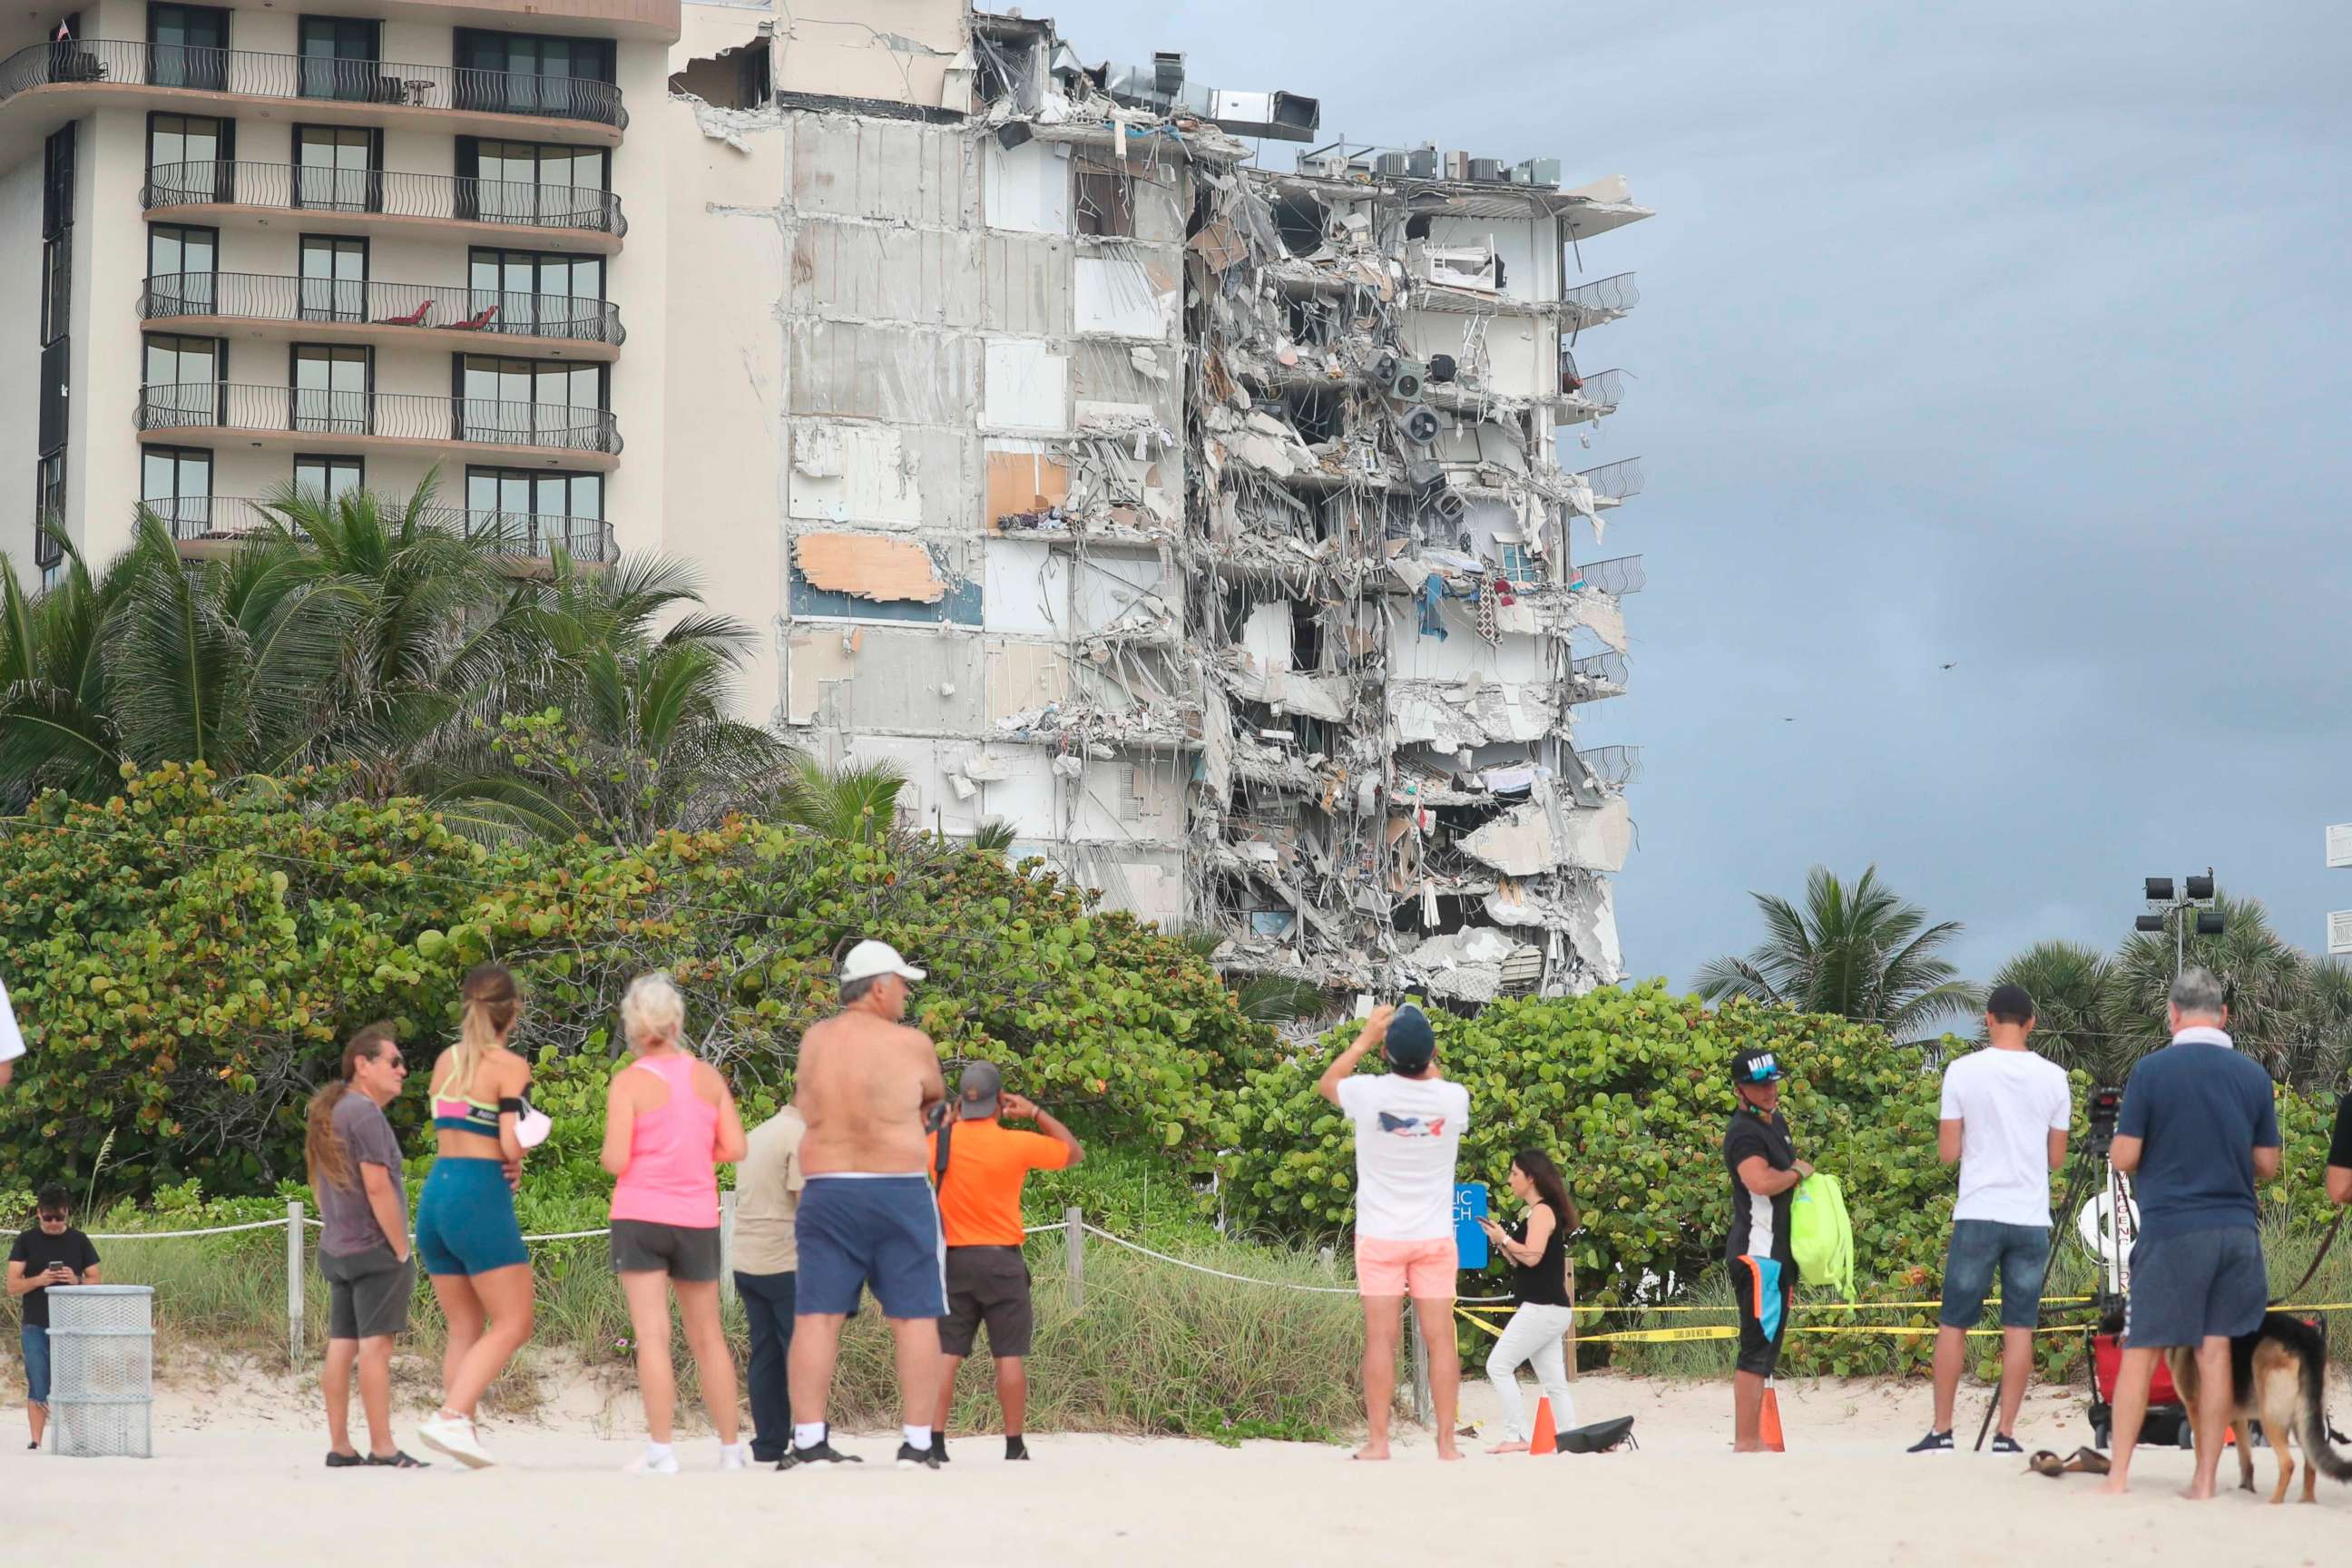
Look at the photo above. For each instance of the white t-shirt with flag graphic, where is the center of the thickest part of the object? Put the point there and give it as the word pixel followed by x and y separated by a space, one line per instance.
pixel 1408 1132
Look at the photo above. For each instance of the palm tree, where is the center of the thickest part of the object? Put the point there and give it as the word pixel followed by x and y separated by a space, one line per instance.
pixel 56 729
pixel 996 835
pixel 2078 1020
pixel 2288 1010
pixel 854 800
pixel 1858 952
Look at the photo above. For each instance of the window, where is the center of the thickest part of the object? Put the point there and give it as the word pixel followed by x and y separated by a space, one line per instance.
pixel 330 387
pixel 327 479
pixel 49 505
pixel 1520 566
pixel 57 236
pixel 183 378
pixel 531 182
pixel 535 291
pixel 526 509
pixel 340 60
pixel 55 366
pixel 181 266
pixel 189 47
pixel 190 159
pixel 175 483
pixel 56 287
pixel 339 168
pixel 521 73
pixel 531 401
pixel 1106 205
pixel 334 278
pixel 58 184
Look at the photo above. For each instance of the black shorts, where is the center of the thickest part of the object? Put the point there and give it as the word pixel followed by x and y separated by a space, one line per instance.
pixel 1763 1322
pixel 683 1252
pixel 987 1285
pixel 367 1292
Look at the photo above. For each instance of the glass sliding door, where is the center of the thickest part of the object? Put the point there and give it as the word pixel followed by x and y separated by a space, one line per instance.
pixel 330 388
pixel 187 47
pixel 338 168
pixel 183 270
pixel 334 278
pixel 340 59
pixel 527 182
pixel 182 381
pixel 188 159
pixel 175 483
pixel 327 479
pixel 526 513
pixel 530 402
pixel 518 73
pixel 539 292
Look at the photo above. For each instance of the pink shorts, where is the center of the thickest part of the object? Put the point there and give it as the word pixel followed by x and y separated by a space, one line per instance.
pixel 1424 1271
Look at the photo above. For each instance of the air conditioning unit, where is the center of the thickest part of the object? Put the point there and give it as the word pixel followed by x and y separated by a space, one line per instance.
pixel 2339 847
pixel 1421 423
pixel 1405 385
pixel 2339 933
pixel 1489 170
pixel 1324 165
pixel 1384 368
pixel 1457 166
pixel 1421 162
pixel 1390 165
pixel 1536 171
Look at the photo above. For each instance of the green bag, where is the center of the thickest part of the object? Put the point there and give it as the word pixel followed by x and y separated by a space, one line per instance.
pixel 1821 1235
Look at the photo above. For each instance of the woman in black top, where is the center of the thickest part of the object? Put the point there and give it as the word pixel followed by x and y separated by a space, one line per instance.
pixel 1545 1291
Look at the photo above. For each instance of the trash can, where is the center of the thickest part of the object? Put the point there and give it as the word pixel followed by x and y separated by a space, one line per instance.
pixel 101 1370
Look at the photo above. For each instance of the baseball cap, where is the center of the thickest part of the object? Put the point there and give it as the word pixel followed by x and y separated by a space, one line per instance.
pixel 1755 1065
pixel 1410 1041
pixel 869 959
pixel 977 1090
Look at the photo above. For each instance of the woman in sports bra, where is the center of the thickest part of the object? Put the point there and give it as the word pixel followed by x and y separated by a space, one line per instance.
pixel 669 1123
pixel 466 1229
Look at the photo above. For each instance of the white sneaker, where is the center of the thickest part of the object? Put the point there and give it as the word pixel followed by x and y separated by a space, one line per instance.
pixel 734 1456
pixel 651 1464
pixel 455 1436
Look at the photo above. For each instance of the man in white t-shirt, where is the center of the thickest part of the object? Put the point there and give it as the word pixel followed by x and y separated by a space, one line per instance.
pixel 1409 1123
pixel 12 1042
pixel 2004 1119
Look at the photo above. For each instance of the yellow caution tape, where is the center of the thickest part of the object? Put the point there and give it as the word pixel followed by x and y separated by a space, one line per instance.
pixel 1731 1331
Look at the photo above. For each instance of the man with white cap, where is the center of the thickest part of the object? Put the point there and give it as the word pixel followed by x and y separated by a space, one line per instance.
pixel 867 1087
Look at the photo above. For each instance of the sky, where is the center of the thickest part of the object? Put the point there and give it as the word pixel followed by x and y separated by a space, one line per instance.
pixel 2015 340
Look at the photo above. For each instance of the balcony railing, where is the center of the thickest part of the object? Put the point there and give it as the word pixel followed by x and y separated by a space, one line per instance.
pixel 1613 767
pixel 1615 481
pixel 311 187
pixel 1606 667
pixel 529 534
pixel 126 63
pixel 255 297
pixel 1603 299
pixel 395 416
pixel 1619 575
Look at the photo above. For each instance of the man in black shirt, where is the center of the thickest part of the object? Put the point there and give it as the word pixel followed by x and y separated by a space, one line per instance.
pixel 1765 1171
pixel 51 1253
pixel 2339 1154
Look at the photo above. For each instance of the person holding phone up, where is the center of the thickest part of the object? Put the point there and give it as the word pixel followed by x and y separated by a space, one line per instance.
pixel 50 1252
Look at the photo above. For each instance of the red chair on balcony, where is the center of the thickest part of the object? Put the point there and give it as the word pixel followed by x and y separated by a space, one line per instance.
pixel 413 319
pixel 476 321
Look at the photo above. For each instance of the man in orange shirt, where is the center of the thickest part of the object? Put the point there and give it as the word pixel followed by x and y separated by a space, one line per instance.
pixel 980 1165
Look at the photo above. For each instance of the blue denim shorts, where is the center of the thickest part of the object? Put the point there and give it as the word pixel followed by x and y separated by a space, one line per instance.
pixel 34 1342
pixel 2023 1253
pixel 2199 1285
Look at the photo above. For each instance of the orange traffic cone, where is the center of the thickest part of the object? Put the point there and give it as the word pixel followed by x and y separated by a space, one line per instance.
pixel 1545 1441
pixel 1770 1426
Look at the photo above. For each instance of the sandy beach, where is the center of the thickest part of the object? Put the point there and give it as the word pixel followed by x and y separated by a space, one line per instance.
pixel 238 1480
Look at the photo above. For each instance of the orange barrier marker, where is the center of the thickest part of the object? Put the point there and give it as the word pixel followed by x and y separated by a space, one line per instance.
pixel 1546 1441
pixel 1770 1426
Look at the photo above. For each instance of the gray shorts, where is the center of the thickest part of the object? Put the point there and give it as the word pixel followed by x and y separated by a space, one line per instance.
pixel 2199 1285
pixel 987 1285
pixel 683 1252
pixel 367 1292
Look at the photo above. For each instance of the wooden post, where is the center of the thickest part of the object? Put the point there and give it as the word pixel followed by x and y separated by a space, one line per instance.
pixel 726 1244
pixel 1420 1365
pixel 294 1283
pixel 1073 1245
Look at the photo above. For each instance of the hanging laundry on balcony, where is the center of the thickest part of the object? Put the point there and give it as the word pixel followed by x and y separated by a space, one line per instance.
pixel 1432 593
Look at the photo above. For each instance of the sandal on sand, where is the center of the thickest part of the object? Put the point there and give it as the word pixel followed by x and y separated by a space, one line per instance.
pixel 2088 1462
pixel 2045 1463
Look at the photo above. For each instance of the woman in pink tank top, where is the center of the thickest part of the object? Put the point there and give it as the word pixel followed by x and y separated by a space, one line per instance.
pixel 669 1123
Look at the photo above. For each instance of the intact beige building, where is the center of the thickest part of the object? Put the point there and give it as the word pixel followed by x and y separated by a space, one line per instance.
pixel 1201 519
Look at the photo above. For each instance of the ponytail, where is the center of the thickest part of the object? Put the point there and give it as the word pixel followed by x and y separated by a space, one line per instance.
pixel 491 1003
pixel 322 1146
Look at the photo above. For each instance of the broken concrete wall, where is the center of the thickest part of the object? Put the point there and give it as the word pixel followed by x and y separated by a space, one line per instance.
pixel 888 51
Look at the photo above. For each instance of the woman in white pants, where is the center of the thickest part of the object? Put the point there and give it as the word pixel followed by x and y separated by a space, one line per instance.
pixel 1545 1291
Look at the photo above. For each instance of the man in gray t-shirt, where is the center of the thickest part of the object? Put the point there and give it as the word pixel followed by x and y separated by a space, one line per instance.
pixel 363 1242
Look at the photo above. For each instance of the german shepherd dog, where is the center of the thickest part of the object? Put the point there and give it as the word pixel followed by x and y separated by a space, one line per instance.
pixel 2278 1376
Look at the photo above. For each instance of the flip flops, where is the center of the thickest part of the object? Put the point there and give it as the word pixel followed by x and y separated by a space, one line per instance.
pixel 2083 1461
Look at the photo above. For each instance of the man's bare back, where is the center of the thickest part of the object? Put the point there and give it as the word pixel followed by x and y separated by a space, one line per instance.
pixel 865 1088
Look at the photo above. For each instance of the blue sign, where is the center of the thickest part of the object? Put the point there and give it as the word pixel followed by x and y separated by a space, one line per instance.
pixel 1469 1208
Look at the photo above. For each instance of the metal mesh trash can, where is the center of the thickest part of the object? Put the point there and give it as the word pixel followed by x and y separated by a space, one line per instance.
pixel 101 1370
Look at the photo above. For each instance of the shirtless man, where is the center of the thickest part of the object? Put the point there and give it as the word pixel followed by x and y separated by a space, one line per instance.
pixel 867 1088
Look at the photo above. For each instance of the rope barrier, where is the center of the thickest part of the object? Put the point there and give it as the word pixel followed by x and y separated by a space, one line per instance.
pixel 172 1235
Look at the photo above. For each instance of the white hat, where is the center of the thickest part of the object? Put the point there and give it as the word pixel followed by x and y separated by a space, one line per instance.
pixel 869 960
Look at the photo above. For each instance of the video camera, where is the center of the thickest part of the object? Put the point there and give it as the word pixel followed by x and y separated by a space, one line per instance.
pixel 2104 1108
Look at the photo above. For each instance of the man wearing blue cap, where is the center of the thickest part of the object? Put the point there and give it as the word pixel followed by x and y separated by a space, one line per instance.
pixel 1765 1171
pixel 1409 1123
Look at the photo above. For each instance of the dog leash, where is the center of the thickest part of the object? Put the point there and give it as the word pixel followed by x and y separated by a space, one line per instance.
pixel 2324 1243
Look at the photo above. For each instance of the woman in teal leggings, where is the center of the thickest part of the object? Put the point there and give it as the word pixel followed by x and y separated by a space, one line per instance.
pixel 466 1229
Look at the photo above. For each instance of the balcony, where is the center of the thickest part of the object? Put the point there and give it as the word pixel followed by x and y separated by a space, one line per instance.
pixel 206 526
pixel 1613 484
pixel 363 201
pixel 73 78
pixel 348 309
pixel 303 418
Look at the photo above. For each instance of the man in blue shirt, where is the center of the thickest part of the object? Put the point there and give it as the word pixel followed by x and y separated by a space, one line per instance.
pixel 2199 1129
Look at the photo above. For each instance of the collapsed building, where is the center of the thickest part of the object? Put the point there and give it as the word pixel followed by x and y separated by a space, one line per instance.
pixel 1203 522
